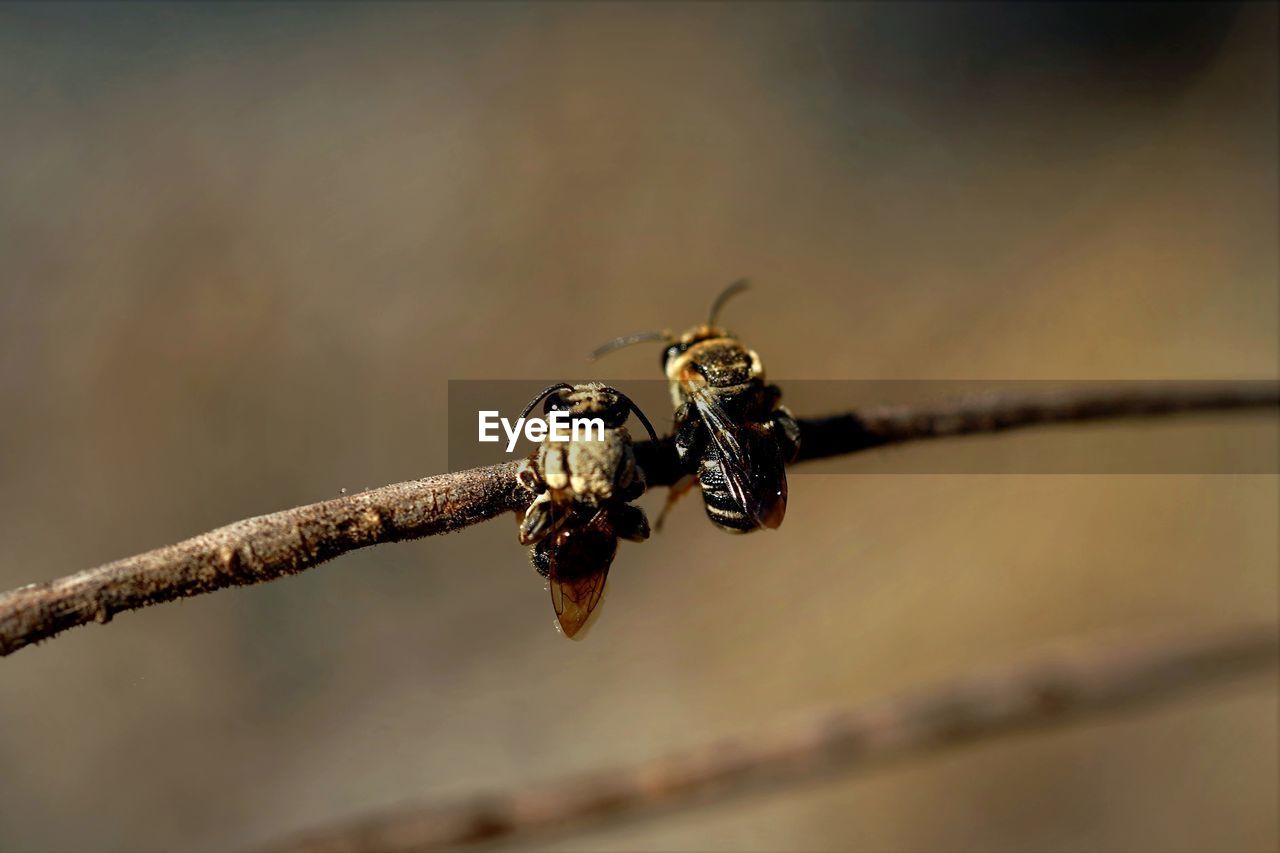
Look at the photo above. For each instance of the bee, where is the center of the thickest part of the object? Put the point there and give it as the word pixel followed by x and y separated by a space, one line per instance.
pixel 732 435
pixel 582 499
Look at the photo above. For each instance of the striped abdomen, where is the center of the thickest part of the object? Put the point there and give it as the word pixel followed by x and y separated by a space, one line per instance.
pixel 766 486
pixel 723 510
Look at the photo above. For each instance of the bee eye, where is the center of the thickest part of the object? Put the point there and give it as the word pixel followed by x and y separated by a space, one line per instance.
pixel 615 415
pixel 555 403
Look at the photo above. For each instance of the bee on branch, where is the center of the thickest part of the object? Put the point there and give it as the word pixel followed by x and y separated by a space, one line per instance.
pixel 582 490
pixel 732 435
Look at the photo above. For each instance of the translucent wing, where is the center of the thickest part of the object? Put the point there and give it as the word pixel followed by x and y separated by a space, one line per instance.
pixel 724 435
pixel 578 566
pixel 760 489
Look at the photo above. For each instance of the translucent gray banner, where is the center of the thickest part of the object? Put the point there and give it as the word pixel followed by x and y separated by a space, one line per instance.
pixel 1243 441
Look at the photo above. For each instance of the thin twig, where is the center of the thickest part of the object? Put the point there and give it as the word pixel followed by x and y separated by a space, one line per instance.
pixel 269 546
pixel 1054 688
pixel 1000 411
pixel 258 549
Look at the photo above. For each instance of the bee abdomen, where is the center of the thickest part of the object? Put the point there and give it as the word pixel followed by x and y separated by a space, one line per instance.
pixel 722 509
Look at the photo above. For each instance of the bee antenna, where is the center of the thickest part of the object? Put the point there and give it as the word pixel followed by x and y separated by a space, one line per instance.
pixel 639 414
pixel 626 341
pixel 559 386
pixel 725 295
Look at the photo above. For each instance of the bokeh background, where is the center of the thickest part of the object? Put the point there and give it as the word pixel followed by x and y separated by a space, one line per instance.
pixel 243 248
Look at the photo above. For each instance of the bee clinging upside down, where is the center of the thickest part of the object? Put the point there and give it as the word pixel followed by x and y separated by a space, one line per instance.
pixel 582 492
pixel 731 432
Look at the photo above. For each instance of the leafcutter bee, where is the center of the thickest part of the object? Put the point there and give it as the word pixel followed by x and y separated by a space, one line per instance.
pixel 731 432
pixel 582 492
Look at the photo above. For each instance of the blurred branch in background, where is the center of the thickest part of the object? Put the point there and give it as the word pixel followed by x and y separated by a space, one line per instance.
pixel 266 547
pixel 1053 688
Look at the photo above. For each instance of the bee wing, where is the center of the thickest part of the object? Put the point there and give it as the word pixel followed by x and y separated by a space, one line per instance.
pixel 724 435
pixel 575 600
pixel 579 567
pixel 764 503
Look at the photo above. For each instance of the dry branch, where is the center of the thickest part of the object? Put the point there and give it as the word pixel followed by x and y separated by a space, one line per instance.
pixel 1055 688
pixel 1000 411
pixel 258 549
pixel 269 546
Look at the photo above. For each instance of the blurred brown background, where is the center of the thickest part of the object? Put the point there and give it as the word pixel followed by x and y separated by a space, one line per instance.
pixel 244 247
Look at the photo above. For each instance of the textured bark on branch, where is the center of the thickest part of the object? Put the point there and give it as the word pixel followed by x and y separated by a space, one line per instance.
pixel 269 546
pixel 1055 688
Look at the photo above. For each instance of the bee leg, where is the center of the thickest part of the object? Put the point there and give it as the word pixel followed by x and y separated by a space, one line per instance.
pixel 786 431
pixel 630 483
pixel 630 523
pixel 541 559
pixel 527 476
pixel 632 490
pixel 674 494
pixel 689 437
pixel 539 519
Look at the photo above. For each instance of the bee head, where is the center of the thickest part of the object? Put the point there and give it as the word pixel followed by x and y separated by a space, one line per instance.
pixel 593 400
pixel 696 335
pixel 589 400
